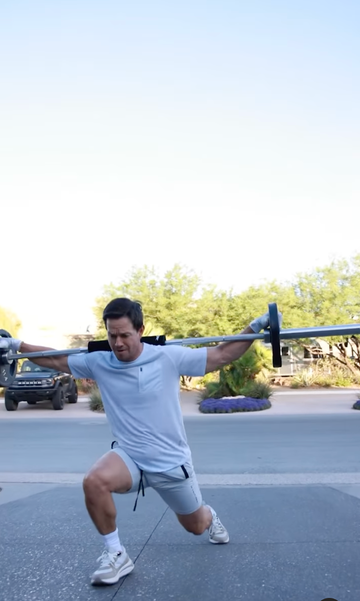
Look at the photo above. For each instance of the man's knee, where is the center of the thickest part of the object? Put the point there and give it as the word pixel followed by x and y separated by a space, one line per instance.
pixel 195 523
pixel 94 482
pixel 109 474
pixel 99 481
pixel 196 528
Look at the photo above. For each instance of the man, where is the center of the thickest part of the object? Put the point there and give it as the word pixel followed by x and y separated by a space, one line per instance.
pixel 139 386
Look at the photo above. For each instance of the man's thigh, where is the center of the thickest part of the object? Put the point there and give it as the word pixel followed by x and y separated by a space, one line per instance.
pixel 178 487
pixel 111 472
pixel 132 468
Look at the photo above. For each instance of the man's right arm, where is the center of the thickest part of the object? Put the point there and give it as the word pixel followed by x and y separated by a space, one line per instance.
pixel 58 362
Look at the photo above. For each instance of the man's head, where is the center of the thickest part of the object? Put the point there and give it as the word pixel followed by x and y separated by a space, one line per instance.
pixel 123 320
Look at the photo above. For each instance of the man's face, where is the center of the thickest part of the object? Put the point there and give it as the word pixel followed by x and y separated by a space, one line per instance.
pixel 124 340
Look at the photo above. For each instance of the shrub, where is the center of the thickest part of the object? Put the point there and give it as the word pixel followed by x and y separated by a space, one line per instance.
pixel 304 378
pixel 257 390
pixel 96 403
pixel 234 377
pixel 323 380
pixel 325 373
pixel 233 405
pixel 214 390
pixel 85 385
pixel 212 376
pixel 343 381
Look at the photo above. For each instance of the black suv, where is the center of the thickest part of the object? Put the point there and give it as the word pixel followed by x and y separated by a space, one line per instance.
pixel 34 383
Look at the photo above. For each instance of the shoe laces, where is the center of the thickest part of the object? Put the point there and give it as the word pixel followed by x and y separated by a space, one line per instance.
pixel 107 559
pixel 216 525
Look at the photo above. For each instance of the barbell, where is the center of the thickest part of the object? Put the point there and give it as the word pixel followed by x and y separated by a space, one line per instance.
pixel 272 336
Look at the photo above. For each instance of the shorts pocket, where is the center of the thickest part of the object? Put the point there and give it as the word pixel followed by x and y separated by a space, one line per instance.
pixel 182 472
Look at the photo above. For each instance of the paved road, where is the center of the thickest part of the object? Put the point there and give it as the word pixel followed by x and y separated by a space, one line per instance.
pixel 287 542
pixel 284 402
pixel 220 445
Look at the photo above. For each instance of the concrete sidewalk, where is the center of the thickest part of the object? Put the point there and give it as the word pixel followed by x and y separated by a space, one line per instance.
pixel 298 543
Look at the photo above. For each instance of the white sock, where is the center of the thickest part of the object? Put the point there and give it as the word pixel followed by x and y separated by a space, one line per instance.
pixel 112 541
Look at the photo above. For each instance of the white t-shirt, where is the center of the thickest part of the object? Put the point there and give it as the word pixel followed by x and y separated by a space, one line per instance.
pixel 141 400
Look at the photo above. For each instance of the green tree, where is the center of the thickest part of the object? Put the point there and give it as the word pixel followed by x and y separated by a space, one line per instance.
pixel 212 313
pixel 180 306
pixel 9 322
pixel 330 295
pixel 178 302
pixel 254 301
pixel 169 303
pixel 141 284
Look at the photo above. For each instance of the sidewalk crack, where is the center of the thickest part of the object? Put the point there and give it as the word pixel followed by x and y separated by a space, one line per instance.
pixel 142 549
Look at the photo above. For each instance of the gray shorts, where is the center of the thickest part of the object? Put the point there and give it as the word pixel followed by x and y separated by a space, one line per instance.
pixel 178 487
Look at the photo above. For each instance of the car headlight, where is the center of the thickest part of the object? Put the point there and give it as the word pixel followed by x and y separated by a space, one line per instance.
pixel 48 382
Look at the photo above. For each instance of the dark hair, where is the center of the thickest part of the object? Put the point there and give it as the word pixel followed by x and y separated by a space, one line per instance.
pixel 124 307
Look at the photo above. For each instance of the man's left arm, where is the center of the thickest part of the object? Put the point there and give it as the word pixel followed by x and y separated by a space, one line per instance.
pixel 227 352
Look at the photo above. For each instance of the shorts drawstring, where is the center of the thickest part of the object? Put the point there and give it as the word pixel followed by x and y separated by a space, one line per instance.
pixel 185 471
pixel 141 487
pixel 141 484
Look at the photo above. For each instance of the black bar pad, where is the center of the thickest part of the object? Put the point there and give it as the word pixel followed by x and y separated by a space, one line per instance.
pixel 98 345
pixel 155 340
pixel 275 334
pixel 103 345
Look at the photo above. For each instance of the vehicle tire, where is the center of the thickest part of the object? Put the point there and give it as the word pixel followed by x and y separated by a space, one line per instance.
pixel 10 403
pixel 31 402
pixel 73 396
pixel 58 399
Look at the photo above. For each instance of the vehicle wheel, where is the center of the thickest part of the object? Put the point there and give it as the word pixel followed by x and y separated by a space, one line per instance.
pixel 58 399
pixel 10 403
pixel 31 402
pixel 73 396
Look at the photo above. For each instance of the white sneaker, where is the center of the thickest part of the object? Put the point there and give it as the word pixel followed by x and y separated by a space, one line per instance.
pixel 113 566
pixel 217 532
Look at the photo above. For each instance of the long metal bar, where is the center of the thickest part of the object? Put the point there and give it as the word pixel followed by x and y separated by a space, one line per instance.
pixel 187 341
pixel 321 331
pixel 290 334
pixel 37 354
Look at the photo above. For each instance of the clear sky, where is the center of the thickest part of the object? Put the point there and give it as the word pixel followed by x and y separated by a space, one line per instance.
pixel 222 135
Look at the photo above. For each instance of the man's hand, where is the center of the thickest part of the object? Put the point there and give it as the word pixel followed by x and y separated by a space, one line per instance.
pixel 10 344
pixel 261 323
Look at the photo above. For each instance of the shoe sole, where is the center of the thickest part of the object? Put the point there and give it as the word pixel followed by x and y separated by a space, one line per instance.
pixel 219 542
pixel 103 582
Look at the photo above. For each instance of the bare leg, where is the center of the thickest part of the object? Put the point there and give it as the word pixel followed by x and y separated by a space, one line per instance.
pixel 108 475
